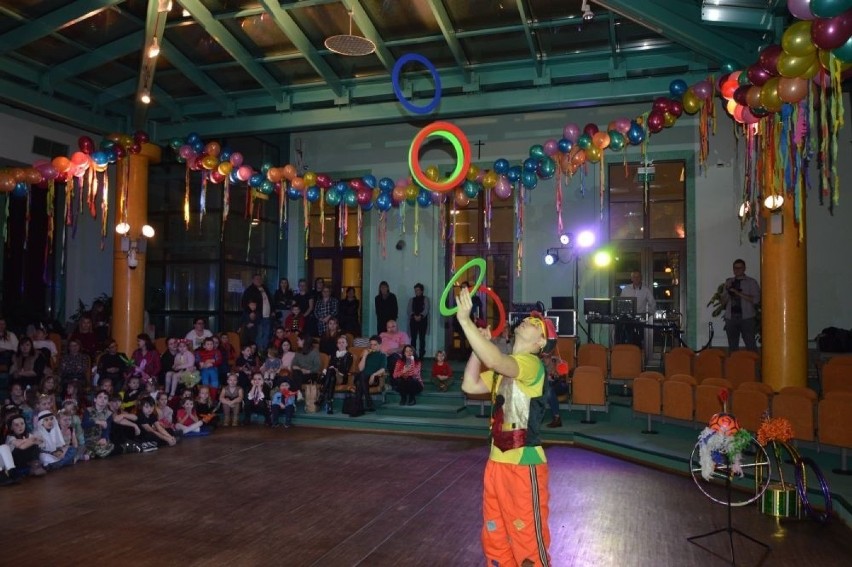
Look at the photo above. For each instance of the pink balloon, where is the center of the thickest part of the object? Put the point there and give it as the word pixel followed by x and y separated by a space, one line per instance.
pixel 702 89
pixel 551 147
pixel 622 125
pixel 243 172
pixel 571 132
pixel 402 182
pixel 748 117
pixel 186 152
pixel 236 159
pixel 323 181
pixel 503 188
pixel 800 9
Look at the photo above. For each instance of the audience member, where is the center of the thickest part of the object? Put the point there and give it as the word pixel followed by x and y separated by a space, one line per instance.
pixel 325 309
pixel 349 313
pixel 328 340
pixel 256 401
pixel 113 364
pixel 75 365
pixel 283 401
pixel 231 398
pixel 418 320
pixel 197 334
pixel 442 374
pixel 28 365
pixel 25 446
pixel 306 364
pixel 371 367
pixel 406 377
pixel 282 300
pixel 257 293
pixel 392 342
pixel 85 334
pixel 8 345
pixel 146 359
pixel 335 374
pixel 386 307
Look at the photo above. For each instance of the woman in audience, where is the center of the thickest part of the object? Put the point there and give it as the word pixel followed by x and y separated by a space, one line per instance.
pixel 287 356
pixel 44 344
pixel 387 308
pixel 74 365
pixel 85 334
pixel 113 364
pixel 406 377
pixel 335 374
pixel 28 365
pixel 281 300
pixel 146 359
pixel 17 404
pixel 167 360
pixel 328 340
pixel 306 363
pixel 325 309
pixel 349 313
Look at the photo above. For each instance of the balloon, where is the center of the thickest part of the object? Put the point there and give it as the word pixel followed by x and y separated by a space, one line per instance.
pixel 290 171
pixel 100 158
pixel 769 95
pixel 174 144
pixel 514 173
pixel 424 199
pixel 656 121
pixel 691 102
pixel 266 186
pixel 728 89
pixel 21 189
pixel 192 137
pixel 471 174
pixel 398 194
pixel 275 174
pixel 141 137
pixel 490 179
pixel 622 125
pixel 323 181
pixel 601 140
pixel 298 183
pixel 636 134
pixel 134 148
pixel 530 164
pixel 797 39
pixel 332 198
pixel 768 58
pixel 675 108
pixel 225 154
pixel 461 199
pixel 547 167
pixel 244 173
pixel 48 171
pixel 7 182
pixel 550 148
pixel 470 188
pixel 370 181
pixel 792 90
pixel 829 8
pixel 363 196
pixel 677 88
pixel 616 140
pixel 356 183
pixel 579 158
pixel 749 117
pixel 412 191
pixel 197 146
pixel 753 97
pixel 503 189
pixel 236 159
pixel 591 129
pixel 86 144
pixel 758 75
pixel 594 154
pixel 216 177
pixel 212 149
pixel 537 151
pixel 529 179
pixel 661 103
pixel 386 185
pixel 740 94
pixel 367 206
pixel 225 168
pixel 571 132
pixel 350 199
pixel 432 173
pixel 186 152
pixel 293 194
pixel 669 119
pixel 728 67
pixel 501 166
pixel 800 9
pixel 340 187
pixel 32 176
pixel 313 194
pixel 584 141
pixel 743 79
pixel 209 162
pixel 256 179
pixel 793 66
pixel 843 53
pixel 438 198
pixel 564 145
pixel 702 90
pixel 833 32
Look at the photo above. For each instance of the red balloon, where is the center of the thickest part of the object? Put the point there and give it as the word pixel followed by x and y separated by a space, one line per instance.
pixel 722 80
pixel 661 103
pixel 740 94
pixel 363 195
pixel 656 121
pixel 675 108
pixel 119 150
pixel 140 137
pixel 591 129
pixel 216 177
pixel 831 33
pixel 86 144
pixel 757 75
pixel 323 181
pixel 768 58
pixel 728 88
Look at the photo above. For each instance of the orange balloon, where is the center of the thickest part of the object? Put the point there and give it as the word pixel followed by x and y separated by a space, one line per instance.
pixel 275 174
pixel 579 158
pixel 601 140
pixel 290 172
pixel 298 183
pixel 792 90
pixel 61 164
pixel 79 158
pixel 398 193
pixel 209 162
pixel 565 162
pixel 32 176
pixel 461 198
pixel 7 181
pixel 212 149
pixel 19 174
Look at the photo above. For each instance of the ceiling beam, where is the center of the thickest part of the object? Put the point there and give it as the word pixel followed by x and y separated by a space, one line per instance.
pixel 155 25
pixel 528 35
pixel 95 58
pixel 60 18
pixel 449 32
pixel 286 24
pixel 183 64
pixel 30 73
pixel 220 33
pixel 370 32
pixel 686 29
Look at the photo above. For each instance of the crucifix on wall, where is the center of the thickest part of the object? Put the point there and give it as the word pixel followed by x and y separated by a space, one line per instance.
pixel 479 144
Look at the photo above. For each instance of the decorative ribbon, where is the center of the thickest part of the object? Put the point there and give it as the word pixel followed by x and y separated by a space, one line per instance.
pixel 186 198
pixel 202 204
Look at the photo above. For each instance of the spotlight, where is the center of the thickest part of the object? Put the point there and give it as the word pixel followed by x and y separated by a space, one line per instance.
pixel 145 97
pixel 549 259
pixel 588 15
pixel 122 228
pixel 745 209
pixel 586 239
pixel 602 259
pixel 566 239
pixel 773 202
pixel 148 231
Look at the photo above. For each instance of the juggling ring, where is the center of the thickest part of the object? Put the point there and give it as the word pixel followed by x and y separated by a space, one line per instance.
pixel 501 311
pixel 802 490
pixel 479 263
pixel 397 69
pixel 460 143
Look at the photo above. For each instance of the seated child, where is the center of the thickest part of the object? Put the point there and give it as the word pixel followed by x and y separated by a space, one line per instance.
pixel 125 432
pixel 69 434
pixel 7 466
pixel 207 359
pixel 43 403
pixel 25 446
pixel 442 374
pixel 256 400
pixel 55 452
pixel 269 369
pixel 188 423
pixel 231 398
pixel 247 365
pixel 205 406
pixel 97 422
pixel 284 401
pixel 295 321
pixel 73 394
pixel 130 394
pixel 152 430
pixel 17 404
pixel 183 369
pixel 165 414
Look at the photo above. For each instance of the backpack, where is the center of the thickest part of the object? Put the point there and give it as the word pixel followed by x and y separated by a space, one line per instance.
pixel 353 405
pixel 834 339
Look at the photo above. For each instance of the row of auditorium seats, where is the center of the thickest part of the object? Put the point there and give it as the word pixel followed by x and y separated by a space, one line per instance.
pixel 681 397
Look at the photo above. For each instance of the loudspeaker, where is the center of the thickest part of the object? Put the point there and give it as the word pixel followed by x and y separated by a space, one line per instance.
pixel 562 302
pixel 566 321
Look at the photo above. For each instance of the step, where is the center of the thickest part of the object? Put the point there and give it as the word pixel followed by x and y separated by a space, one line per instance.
pixel 423 410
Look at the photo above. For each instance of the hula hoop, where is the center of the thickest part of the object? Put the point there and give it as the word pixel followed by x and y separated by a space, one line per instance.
pixel 456 137
pixel 397 69
pixel 477 262
pixel 501 311
pixel 802 489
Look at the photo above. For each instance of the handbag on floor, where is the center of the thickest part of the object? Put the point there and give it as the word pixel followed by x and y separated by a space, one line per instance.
pixel 353 405
pixel 311 394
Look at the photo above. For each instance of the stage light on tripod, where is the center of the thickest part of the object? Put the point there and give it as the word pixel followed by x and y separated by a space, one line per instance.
pixel 586 239
pixel 566 239
pixel 549 259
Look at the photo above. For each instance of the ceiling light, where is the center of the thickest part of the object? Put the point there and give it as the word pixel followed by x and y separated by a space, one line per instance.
pixel 122 228
pixel 148 231
pixel 348 44
pixel 586 239
pixel 164 6
pixel 145 97
pixel 774 202
pixel 154 50
pixel 588 15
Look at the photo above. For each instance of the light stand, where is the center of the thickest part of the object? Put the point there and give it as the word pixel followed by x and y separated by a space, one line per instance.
pixel 577 298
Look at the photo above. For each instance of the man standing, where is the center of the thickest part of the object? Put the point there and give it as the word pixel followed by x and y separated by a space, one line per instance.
pixel 258 293
pixel 632 332
pixel 740 298
pixel 418 312
pixel 515 492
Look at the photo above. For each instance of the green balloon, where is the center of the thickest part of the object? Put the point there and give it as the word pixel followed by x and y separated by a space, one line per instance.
pixel 829 8
pixel 844 52
pixel 728 67
pixel 616 140
pixel 743 80
pixel 332 198
pixel 584 141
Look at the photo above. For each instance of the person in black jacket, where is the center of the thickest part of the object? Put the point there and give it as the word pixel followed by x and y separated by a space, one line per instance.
pixel 386 307
pixel 282 300
pixel 258 294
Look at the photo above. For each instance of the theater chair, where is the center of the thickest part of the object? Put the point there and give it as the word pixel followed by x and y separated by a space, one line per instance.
pixel 625 364
pixel 749 405
pixel 679 397
pixel 741 366
pixel 836 376
pixel 648 396
pixel 679 361
pixel 591 354
pixel 798 406
pixel 835 425
pixel 588 390
pixel 707 402
pixel 708 364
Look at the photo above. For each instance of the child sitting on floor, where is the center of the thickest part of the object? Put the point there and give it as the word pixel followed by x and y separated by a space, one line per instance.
pixel 206 407
pixel 269 369
pixel 152 430
pixel 165 414
pixel 256 400
pixel 70 409
pixel 55 452
pixel 66 427
pixel 283 401
pixel 188 423
pixel 231 399
pixel 442 374
pixel 130 394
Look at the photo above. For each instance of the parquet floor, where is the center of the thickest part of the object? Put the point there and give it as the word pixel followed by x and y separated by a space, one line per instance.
pixel 313 497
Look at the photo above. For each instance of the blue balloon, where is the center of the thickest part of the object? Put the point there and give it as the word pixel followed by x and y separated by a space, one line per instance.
pixel 564 145
pixel 21 189
pixel 424 198
pixel 530 164
pixel 192 137
pixel 501 166
pixel 313 193
pixel 111 155
pixel 384 202
pixel 514 173
pixel 367 206
pixel 267 187
pixel 529 179
pixel 100 158
pixel 225 154
pixel 256 179
pixel 636 134
pixel 340 187
pixel 677 88
pixel 198 147
pixel 471 188
pixel 370 180
pixel 386 185
pixel 293 194
pixel 107 144
pixel 233 176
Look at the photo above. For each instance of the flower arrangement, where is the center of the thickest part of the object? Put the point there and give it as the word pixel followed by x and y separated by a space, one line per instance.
pixel 722 439
pixel 774 429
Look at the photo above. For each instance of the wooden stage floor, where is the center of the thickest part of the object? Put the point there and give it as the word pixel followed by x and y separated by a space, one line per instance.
pixel 315 497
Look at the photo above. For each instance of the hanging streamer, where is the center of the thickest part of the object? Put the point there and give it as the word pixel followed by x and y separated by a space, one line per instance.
pixel 202 204
pixel 186 198
pixel 383 234
pixel 453 219
pixel 306 205
pixel 251 223
pixel 519 209
pixel 282 211
pixel 93 191
pixel 322 215
pixel 360 227
pixel 559 174
pixel 486 220
pixel 226 205
pixel 836 123
pixel 442 214
pixel 416 230
pixel 104 209
pixel 27 218
pixel 51 214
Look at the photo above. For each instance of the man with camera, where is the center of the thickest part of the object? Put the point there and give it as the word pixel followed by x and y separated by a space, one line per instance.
pixel 740 297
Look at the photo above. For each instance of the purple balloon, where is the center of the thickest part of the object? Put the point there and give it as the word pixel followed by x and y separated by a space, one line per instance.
pixel 503 188
pixel 702 89
pixel 833 32
pixel 571 132
pixel 801 9
pixel 551 147
pixel 438 198
pixel 740 94
pixel 236 159
pixel 186 152
pixel 622 125
pixel 768 58
pixel 757 75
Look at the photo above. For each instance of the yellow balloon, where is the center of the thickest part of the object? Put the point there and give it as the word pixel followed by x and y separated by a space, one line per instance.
pixel 769 95
pixel 310 178
pixel 593 154
pixel 432 173
pixel 794 66
pixel 669 119
pixel 797 39
pixel 489 180
pixel 691 102
pixel 471 173
pixel 225 167
pixel 411 192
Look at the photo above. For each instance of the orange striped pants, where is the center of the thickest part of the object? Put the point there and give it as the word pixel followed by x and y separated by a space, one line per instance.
pixel 515 510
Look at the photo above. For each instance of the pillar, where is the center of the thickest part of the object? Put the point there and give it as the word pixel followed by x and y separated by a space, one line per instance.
pixel 128 300
pixel 784 333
